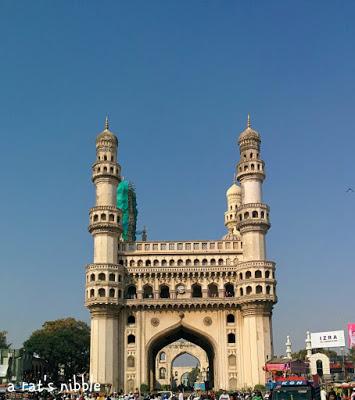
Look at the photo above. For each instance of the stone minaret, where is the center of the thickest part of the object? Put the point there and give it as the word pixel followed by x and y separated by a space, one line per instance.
pixel 234 199
pixel 104 277
pixel 288 348
pixel 308 344
pixel 256 274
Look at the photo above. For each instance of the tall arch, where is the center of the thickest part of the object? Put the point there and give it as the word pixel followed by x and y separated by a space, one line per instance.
pixel 172 334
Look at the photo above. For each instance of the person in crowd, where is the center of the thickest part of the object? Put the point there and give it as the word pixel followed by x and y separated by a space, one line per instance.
pixel 257 396
pixel 224 395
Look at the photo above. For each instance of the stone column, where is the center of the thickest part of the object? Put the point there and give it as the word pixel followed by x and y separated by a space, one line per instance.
pixel 257 341
pixel 104 363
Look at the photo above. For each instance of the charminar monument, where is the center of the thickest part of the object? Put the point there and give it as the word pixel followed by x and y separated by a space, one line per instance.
pixel 216 294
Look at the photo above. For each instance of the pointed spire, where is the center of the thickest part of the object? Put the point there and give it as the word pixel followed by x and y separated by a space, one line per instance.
pixel 248 123
pixel 107 124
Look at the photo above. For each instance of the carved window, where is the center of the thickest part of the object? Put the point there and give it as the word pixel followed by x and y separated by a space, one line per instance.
pixel 164 292
pixel 147 292
pixel 228 290
pixel 162 373
pixel 212 290
pixel 196 290
pixel 231 338
pixel 131 292
pixel 230 318
pixel 232 360
pixel 131 339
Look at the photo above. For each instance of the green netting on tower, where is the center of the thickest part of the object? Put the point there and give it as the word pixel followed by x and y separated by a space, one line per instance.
pixel 127 203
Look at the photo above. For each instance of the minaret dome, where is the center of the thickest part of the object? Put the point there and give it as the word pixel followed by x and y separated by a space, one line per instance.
pixel 249 133
pixel 106 134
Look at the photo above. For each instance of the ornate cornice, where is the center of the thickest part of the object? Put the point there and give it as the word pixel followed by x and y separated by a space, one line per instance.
pixel 104 176
pixel 105 227
pixel 106 310
pixel 103 266
pixel 248 206
pixel 257 308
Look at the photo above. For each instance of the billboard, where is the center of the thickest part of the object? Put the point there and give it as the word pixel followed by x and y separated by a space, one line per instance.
pixel 328 339
pixel 351 335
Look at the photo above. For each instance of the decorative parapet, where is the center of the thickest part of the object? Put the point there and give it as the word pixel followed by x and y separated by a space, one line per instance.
pixel 180 247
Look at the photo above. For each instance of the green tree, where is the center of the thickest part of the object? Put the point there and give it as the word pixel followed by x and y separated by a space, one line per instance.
pixel 352 354
pixel 144 388
pixel 3 340
pixel 301 354
pixel 192 376
pixel 64 344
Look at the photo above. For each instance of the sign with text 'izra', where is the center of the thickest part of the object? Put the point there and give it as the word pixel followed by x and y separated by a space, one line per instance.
pixel 327 339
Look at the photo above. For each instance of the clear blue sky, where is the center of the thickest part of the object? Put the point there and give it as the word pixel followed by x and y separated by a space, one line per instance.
pixel 177 79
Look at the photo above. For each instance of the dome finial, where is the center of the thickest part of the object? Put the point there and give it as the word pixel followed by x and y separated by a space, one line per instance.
pixel 107 124
pixel 248 123
pixel 235 178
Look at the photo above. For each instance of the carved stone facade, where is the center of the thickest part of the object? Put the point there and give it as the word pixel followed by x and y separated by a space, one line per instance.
pixel 165 370
pixel 219 294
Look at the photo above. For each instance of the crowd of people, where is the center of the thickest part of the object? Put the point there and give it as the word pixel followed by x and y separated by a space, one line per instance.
pixel 166 395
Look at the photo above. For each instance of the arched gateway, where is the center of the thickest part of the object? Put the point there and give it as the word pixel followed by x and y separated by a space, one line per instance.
pixel 145 295
pixel 170 335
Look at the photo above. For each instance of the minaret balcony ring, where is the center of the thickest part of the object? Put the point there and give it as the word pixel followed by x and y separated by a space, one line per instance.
pixel 251 168
pixel 106 169
pixel 105 219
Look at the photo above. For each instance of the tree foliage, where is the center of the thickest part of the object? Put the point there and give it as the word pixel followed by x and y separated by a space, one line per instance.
pixel 192 376
pixel 301 354
pixel 352 354
pixel 63 344
pixel 3 340
pixel 144 388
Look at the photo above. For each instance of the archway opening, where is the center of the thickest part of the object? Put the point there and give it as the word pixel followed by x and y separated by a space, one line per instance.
pixel 185 371
pixel 168 337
